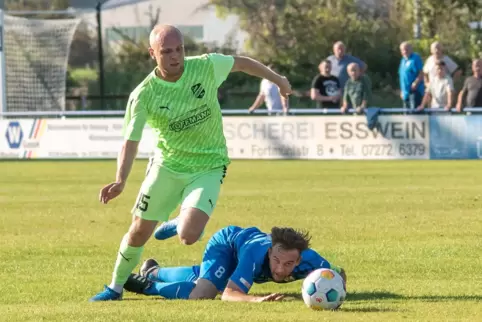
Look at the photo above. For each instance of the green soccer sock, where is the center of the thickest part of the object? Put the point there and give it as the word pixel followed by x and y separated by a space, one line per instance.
pixel 127 259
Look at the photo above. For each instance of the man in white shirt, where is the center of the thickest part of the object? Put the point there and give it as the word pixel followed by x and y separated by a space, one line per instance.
pixel 440 91
pixel 269 94
pixel 430 68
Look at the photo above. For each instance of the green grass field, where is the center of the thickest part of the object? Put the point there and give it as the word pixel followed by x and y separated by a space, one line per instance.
pixel 408 233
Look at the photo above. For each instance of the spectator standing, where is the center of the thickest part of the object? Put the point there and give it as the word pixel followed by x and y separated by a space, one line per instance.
pixel 270 95
pixel 325 88
pixel 430 68
pixel 357 92
pixel 340 61
pixel 471 93
pixel 410 74
pixel 440 90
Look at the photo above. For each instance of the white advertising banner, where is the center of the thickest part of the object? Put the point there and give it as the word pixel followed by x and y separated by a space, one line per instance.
pixel 300 137
pixel 337 137
pixel 67 138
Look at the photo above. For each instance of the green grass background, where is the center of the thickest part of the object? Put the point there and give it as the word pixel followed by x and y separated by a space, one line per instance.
pixel 409 234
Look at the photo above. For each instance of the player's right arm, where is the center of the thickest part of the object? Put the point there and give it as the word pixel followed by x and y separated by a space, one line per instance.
pixel 240 283
pixel 234 293
pixel 134 122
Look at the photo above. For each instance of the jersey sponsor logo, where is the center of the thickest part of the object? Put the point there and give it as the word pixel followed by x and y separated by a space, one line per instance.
pixel 190 121
pixel 14 135
pixel 244 282
pixel 198 90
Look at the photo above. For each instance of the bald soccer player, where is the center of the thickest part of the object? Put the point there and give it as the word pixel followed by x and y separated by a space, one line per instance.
pixel 178 100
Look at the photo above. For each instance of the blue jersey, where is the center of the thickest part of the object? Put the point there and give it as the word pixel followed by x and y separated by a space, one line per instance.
pixel 250 253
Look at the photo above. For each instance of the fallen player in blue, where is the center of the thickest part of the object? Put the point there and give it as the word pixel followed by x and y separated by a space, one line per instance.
pixel 233 260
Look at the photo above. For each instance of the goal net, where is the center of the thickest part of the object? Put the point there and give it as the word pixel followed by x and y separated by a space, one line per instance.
pixel 36 56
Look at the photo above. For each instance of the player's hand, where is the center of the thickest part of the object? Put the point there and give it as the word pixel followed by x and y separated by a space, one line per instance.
pixel 270 298
pixel 284 87
pixel 110 191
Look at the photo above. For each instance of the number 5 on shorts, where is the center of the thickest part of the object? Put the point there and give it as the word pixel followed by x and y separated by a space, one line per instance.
pixel 143 202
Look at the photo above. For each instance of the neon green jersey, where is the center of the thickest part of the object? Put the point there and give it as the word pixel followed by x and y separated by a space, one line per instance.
pixel 185 115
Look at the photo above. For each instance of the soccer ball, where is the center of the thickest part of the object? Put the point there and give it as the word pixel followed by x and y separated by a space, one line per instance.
pixel 323 289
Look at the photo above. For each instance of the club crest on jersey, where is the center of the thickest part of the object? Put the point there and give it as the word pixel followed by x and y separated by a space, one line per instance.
pixel 198 90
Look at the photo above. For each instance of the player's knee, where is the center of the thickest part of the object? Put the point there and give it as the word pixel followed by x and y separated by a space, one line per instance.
pixel 188 237
pixel 139 233
pixel 191 225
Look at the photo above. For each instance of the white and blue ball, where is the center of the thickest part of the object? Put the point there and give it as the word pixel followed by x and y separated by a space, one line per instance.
pixel 323 289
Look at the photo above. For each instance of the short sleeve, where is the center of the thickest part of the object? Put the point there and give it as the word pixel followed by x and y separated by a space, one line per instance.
pixel 312 260
pixel 222 65
pixel 243 275
pixel 314 82
pixel 135 119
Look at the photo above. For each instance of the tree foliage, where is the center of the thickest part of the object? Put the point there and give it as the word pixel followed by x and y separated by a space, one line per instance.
pixel 296 34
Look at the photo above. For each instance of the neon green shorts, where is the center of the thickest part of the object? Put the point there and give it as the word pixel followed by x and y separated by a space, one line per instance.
pixel 163 190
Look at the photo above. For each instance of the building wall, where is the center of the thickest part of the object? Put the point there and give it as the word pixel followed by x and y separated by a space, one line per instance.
pixel 203 25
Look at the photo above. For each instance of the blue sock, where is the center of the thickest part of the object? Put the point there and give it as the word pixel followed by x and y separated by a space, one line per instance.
pixel 172 291
pixel 177 274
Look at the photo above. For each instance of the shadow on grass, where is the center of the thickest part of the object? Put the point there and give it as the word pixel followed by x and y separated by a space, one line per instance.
pixel 366 309
pixel 144 298
pixel 367 296
pixel 381 295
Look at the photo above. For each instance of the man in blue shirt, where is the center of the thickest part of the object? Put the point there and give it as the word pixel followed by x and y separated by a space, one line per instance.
pixel 410 74
pixel 233 260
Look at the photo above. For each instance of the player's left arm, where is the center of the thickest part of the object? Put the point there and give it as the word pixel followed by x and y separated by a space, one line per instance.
pixel 311 258
pixel 225 64
pixel 253 67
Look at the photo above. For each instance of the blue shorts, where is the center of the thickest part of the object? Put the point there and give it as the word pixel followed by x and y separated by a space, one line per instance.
pixel 219 259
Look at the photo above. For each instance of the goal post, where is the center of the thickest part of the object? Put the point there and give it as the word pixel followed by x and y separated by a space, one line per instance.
pixel 3 91
pixel 35 53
